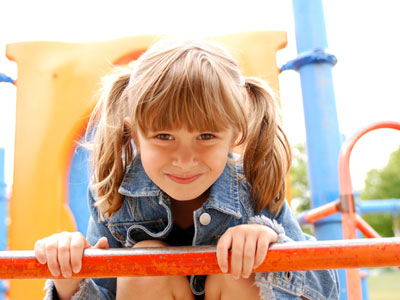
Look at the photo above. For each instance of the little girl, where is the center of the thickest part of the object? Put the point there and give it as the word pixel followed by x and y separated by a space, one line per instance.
pixel 164 173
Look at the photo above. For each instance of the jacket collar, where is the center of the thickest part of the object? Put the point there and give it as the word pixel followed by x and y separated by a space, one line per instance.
pixel 224 193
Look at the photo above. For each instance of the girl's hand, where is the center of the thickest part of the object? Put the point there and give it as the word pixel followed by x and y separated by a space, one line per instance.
pixel 63 252
pixel 249 244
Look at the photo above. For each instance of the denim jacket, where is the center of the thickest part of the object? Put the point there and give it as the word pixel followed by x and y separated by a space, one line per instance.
pixel 146 214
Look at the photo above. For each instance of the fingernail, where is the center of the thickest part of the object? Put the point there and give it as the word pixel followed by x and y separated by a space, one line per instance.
pixel 67 274
pixel 76 269
pixel 56 273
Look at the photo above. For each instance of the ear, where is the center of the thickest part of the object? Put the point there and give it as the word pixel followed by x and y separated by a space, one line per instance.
pixel 129 124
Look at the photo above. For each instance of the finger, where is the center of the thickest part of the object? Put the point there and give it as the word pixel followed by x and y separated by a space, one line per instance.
pixel 249 252
pixel 64 257
pixel 223 246
pixel 237 256
pixel 262 250
pixel 77 245
pixel 40 252
pixel 51 250
pixel 102 243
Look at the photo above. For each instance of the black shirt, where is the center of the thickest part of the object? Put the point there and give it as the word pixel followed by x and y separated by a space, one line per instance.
pixel 182 237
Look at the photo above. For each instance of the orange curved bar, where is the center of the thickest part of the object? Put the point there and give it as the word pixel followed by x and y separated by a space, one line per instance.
pixel 347 200
pixel 292 256
pixel 345 185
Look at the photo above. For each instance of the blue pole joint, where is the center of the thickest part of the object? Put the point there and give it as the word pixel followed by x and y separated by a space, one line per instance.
pixel 5 78
pixel 317 55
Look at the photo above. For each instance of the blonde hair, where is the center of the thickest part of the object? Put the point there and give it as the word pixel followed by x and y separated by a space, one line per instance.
pixel 195 84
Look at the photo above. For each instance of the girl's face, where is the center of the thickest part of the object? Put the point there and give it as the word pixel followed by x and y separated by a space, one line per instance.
pixel 184 164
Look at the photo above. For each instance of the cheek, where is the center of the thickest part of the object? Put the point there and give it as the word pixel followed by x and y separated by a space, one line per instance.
pixel 153 159
pixel 218 157
pixel 151 154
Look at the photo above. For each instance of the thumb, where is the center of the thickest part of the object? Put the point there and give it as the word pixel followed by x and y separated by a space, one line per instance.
pixel 102 243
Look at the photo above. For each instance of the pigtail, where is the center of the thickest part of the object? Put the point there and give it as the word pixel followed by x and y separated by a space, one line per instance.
pixel 112 148
pixel 267 156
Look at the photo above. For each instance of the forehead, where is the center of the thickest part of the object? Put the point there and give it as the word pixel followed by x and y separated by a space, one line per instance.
pixel 184 130
pixel 183 118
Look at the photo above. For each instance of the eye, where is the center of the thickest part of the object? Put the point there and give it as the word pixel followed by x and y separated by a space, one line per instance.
pixel 164 137
pixel 206 136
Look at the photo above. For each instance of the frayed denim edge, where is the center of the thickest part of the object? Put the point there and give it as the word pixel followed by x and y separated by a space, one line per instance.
pixel 273 224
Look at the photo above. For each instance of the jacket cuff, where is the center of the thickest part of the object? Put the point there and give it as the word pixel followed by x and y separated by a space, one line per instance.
pixel 273 224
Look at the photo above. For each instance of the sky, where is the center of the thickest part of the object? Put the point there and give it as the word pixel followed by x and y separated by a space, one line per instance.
pixel 362 34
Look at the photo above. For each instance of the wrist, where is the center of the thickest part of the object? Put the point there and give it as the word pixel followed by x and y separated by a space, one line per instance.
pixel 66 288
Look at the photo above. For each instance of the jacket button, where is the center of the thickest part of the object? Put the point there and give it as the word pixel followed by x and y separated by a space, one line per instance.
pixel 205 219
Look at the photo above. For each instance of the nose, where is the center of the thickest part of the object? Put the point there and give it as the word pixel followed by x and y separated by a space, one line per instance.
pixel 185 157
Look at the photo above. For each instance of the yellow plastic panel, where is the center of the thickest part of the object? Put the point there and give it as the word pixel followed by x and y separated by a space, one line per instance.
pixel 56 88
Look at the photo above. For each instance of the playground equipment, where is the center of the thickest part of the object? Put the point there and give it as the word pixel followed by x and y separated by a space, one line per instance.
pixel 294 256
pixel 56 83
pixel 56 87
pixel 346 205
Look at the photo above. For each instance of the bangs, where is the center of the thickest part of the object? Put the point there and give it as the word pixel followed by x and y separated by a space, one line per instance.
pixel 194 94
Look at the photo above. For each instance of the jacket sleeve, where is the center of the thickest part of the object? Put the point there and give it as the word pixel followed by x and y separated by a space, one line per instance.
pixel 312 285
pixel 97 288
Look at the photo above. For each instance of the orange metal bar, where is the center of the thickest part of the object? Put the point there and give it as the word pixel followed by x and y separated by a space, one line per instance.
pixel 202 260
pixel 345 184
pixel 365 228
pixel 321 212
pixel 347 200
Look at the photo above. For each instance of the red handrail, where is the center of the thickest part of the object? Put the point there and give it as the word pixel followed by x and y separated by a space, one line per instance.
pixel 291 256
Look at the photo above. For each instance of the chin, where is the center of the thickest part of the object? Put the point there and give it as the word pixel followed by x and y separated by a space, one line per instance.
pixel 184 197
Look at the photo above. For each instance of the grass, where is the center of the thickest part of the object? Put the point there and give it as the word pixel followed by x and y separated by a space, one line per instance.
pixel 384 284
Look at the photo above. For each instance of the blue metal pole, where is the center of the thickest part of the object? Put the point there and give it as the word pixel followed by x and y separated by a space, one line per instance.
pixel 383 206
pixel 322 127
pixel 3 216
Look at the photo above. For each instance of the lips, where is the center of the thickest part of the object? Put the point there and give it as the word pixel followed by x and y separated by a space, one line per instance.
pixel 183 179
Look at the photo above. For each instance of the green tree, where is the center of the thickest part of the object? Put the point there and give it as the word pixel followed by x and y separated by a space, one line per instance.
pixel 299 178
pixel 299 183
pixel 383 184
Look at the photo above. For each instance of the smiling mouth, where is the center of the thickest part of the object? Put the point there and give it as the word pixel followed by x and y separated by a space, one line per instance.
pixel 183 180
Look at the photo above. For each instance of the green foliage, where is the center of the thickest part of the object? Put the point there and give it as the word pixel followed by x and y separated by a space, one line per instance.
pixel 299 183
pixel 382 223
pixel 383 184
pixel 299 178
